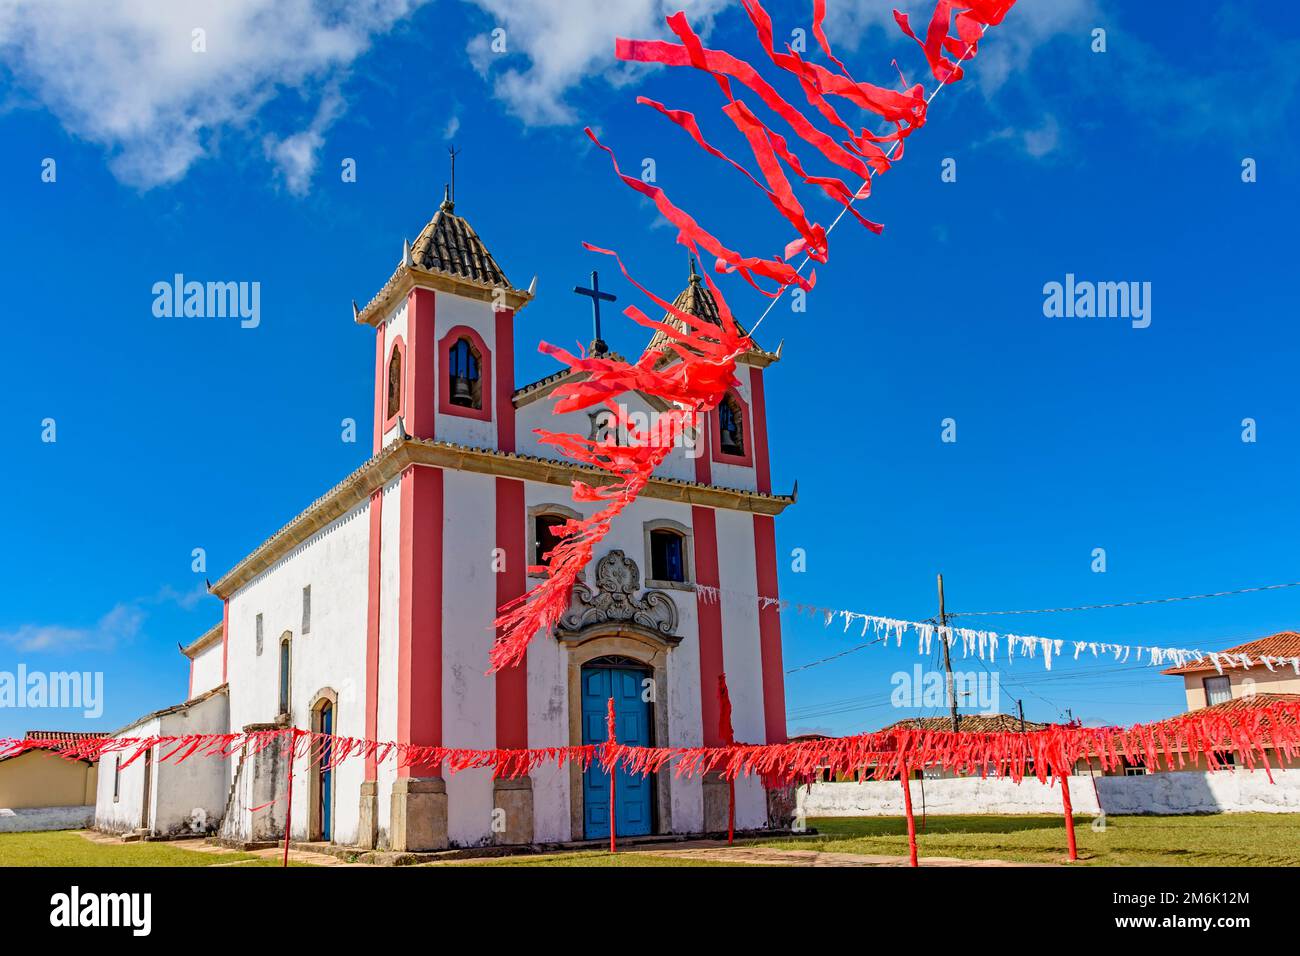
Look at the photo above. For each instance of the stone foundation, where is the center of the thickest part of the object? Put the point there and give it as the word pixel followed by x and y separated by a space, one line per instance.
pixel 512 802
pixel 419 814
pixel 368 819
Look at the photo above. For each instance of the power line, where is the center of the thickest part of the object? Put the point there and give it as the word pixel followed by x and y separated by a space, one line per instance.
pixel 1098 607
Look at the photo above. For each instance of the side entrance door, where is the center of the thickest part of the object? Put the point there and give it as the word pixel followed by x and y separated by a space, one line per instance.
pixel 632 721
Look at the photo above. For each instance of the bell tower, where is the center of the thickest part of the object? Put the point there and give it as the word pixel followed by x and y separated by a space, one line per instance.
pixel 444 339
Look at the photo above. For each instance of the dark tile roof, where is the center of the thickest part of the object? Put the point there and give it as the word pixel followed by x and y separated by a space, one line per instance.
pixel 1240 704
pixel 449 244
pixel 969 723
pixel 1282 644
pixel 696 300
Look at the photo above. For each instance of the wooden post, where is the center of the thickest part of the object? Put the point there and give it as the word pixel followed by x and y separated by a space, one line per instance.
pixel 947 662
pixel 288 810
pixel 911 820
pixel 612 739
pixel 1069 818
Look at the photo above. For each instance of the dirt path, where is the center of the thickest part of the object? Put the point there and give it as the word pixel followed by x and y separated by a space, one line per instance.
pixel 774 856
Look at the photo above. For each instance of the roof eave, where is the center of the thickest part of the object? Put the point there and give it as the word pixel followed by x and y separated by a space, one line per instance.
pixel 407 278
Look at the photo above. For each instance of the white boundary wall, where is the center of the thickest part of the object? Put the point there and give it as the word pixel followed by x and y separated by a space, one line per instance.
pixel 1179 792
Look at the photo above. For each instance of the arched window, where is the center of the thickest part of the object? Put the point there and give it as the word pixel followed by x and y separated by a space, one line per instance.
pixel 466 382
pixel 731 426
pixel 546 536
pixel 286 643
pixel 395 383
pixel 667 556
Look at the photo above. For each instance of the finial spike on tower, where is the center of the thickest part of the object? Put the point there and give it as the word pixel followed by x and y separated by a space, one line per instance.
pixel 356 313
pixel 406 253
pixel 532 287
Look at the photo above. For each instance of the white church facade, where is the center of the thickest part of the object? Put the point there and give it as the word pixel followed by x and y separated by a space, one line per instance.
pixel 371 613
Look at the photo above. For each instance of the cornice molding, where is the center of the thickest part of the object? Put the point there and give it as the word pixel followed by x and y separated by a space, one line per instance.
pixel 401 454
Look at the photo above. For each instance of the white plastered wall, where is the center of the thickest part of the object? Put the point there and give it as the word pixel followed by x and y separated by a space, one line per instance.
pixel 335 563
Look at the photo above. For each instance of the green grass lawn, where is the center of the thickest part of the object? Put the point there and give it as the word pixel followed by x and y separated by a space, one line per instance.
pixel 1227 839
pixel 69 848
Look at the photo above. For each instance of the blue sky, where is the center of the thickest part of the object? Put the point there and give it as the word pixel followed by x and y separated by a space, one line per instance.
pixel 1072 434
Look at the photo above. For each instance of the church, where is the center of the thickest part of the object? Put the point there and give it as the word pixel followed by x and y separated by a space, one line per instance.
pixel 370 614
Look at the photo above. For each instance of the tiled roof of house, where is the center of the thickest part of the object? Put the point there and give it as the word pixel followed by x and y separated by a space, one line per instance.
pixel 56 737
pixel 1282 644
pixel 1253 702
pixel 969 723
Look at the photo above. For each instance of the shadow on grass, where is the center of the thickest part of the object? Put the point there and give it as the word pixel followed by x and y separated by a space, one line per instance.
pixel 848 828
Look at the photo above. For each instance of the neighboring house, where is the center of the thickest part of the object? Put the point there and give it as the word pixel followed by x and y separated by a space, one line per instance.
pixel 1249 676
pixel 41 790
pixel 1207 685
pixel 370 614
pixel 163 799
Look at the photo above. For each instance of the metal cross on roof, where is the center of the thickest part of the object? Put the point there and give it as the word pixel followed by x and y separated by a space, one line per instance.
pixel 598 345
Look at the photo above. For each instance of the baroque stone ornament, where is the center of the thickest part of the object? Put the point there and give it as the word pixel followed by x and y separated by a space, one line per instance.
pixel 619 579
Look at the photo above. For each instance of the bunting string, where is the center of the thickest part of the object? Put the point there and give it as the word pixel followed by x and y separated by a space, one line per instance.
pixel 707 353
pixel 1176 743
pixel 986 644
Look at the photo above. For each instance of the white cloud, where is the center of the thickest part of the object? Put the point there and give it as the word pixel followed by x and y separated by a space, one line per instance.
pixel 566 43
pixel 125 75
pixel 1009 48
pixel 120 624
pixel 452 127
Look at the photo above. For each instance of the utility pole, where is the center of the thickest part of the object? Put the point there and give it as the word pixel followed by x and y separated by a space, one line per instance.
pixel 947 662
pixel 1021 705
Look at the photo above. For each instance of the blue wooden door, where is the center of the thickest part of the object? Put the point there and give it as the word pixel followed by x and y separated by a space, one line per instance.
pixel 632 725
pixel 326 775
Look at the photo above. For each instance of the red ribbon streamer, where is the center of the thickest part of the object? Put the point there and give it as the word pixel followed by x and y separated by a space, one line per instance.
pixel 697 383
pixel 1177 742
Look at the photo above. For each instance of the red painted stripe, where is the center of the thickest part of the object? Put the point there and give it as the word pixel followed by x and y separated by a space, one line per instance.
pixel 381 389
pixel 505 342
pixel 758 409
pixel 769 631
pixel 704 524
pixel 421 364
pixel 189 694
pixel 419 652
pixel 372 628
pixel 512 683
pixel 704 450
pixel 225 636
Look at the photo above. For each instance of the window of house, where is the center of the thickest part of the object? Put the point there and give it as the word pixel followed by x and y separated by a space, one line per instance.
pixel 667 556
pixel 731 427
pixel 546 536
pixel 306 609
pixel 257 628
pixel 463 369
pixel 395 382
pixel 284 675
pixel 1137 771
pixel 117 777
pixel 1217 690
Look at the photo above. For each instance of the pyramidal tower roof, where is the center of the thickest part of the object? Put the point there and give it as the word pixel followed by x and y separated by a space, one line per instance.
pixel 697 300
pixel 449 244
pixel 448 254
